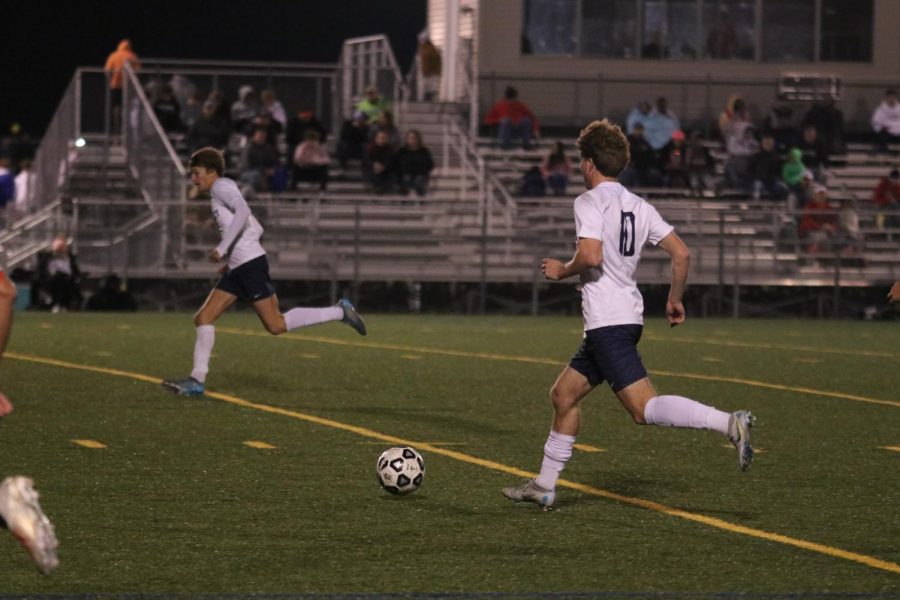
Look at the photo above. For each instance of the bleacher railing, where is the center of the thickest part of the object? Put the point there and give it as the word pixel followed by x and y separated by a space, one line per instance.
pixel 366 61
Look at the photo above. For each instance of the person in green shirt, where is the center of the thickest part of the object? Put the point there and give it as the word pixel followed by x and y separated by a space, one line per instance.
pixel 373 104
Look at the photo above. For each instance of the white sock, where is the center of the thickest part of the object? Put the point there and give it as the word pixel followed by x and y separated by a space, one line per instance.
pixel 678 411
pixel 304 317
pixel 557 452
pixel 206 337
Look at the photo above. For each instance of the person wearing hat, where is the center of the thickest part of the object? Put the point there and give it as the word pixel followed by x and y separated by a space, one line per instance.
pixel 373 104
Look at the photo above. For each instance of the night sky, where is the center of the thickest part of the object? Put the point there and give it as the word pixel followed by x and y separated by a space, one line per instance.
pixel 43 42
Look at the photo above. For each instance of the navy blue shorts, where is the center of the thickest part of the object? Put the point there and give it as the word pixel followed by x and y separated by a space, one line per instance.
pixel 610 354
pixel 250 281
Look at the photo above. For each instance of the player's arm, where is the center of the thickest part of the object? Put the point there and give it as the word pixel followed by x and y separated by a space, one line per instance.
pixel 681 261
pixel 233 200
pixel 588 255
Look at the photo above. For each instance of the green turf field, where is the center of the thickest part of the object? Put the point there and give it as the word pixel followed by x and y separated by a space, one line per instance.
pixel 176 502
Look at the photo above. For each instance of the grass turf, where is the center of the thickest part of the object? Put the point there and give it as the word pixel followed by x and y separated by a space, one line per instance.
pixel 177 503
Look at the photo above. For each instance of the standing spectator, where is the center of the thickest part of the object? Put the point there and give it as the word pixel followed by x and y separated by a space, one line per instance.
pixel 353 139
pixel 25 182
pixel 513 117
pixel 818 223
pixel 385 123
pixel 673 158
pixel 734 119
pixel 305 120
pixel 886 121
pixel 209 130
pixel 556 169
pixel 58 276
pixel 815 155
pixel 244 109
pixel 373 104
pixel 643 168
pixel 311 161
pixel 272 105
pixel 414 164
pixel 429 68
pixel 765 171
pixel 379 163
pixel 660 125
pixel 115 62
pixel 168 111
pixel 259 162
pixel 740 152
pixel 638 114
pixel 829 123
pixel 699 164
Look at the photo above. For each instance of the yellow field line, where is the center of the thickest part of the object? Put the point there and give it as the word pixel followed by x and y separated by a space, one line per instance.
pixel 870 561
pixel 551 361
pixel 734 344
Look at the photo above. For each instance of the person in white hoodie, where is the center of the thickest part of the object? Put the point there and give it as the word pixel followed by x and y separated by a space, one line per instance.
pixel 886 121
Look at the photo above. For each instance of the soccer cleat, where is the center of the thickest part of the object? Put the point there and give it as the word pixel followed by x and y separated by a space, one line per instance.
pixel 351 317
pixel 739 433
pixel 24 518
pixel 530 492
pixel 184 387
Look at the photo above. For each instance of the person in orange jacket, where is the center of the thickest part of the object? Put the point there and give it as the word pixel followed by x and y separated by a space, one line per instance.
pixel 114 65
pixel 513 118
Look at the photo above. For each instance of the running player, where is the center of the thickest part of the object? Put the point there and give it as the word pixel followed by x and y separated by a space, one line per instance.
pixel 612 225
pixel 245 276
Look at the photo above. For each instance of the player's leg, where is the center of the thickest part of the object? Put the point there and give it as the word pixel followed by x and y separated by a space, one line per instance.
pixel 7 300
pixel 21 513
pixel 647 407
pixel 216 303
pixel 277 323
pixel 565 395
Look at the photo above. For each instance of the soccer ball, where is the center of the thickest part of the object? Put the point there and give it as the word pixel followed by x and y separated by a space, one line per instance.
pixel 400 470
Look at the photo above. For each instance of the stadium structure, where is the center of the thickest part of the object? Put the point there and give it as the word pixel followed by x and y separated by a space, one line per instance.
pixel 122 196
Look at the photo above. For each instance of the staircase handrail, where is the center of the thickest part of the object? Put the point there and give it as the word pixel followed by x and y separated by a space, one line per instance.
pixel 386 61
pixel 154 121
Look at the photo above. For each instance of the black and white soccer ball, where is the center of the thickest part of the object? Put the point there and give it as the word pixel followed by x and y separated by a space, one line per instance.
pixel 400 470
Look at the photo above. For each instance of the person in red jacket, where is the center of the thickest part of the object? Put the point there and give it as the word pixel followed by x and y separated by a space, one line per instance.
pixel 819 222
pixel 887 191
pixel 513 117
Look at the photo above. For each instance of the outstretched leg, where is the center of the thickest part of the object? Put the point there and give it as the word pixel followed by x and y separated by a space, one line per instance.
pixel 277 323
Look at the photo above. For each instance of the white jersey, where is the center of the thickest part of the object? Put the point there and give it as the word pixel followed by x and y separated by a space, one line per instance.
pixel 623 222
pixel 239 229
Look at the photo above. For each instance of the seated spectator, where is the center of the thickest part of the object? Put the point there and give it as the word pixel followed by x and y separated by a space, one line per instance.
pixel 740 152
pixel 385 123
pixel 513 118
pixel 734 119
pixel 168 111
pixel 829 123
pixel 259 161
pixel 244 109
pixel 58 278
pixel 660 125
pixel 765 171
pixel 815 155
pixel 379 164
pixel 112 297
pixel 886 121
pixel 819 222
pixel 209 130
pixel 699 164
pixel 193 107
pixel 796 177
pixel 311 161
pixel 353 139
pixel 373 104
pixel 638 114
pixel 221 111
pixel 556 169
pixel 270 125
pixel 887 198
pixel 297 127
pixel 643 168
pixel 673 159
pixel 533 183
pixel 273 106
pixel 414 165
pixel 781 122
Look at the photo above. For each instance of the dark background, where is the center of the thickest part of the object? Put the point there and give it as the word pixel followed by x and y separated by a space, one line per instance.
pixel 43 42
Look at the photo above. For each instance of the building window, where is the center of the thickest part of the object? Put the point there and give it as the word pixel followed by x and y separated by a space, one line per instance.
pixel 846 30
pixel 787 30
pixel 671 29
pixel 729 29
pixel 608 28
pixel 548 27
